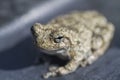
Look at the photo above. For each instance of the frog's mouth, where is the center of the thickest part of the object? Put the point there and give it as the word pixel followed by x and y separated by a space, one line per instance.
pixel 62 53
pixel 53 52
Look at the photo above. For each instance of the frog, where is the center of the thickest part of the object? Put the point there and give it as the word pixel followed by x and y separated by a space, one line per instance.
pixel 79 36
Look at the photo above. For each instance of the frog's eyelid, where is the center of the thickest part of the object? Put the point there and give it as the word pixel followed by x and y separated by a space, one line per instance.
pixel 59 37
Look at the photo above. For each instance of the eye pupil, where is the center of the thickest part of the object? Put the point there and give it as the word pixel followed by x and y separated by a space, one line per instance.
pixel 58 39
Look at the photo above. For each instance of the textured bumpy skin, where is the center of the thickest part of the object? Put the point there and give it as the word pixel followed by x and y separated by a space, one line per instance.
pixel 81 37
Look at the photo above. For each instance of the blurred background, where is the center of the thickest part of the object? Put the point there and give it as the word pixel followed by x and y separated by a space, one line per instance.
pixel 18 54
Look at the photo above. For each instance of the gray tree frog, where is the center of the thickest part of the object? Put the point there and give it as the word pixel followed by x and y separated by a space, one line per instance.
pixel 82 37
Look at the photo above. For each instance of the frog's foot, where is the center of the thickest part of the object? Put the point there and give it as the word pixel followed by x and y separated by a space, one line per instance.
pixel 52 72
pixel 52 68
pixel 70 67
pixel 56 72
pixel 88 61
pixel 49 74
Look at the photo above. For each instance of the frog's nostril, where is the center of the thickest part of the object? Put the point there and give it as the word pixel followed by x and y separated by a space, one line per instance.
pixel 32 29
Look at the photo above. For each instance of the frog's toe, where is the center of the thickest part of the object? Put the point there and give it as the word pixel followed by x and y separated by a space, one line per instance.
pixel 49 74
pixel 53 68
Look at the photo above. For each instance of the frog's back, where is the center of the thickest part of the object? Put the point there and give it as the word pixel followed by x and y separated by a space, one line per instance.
pixel 90 20
pixel 76 20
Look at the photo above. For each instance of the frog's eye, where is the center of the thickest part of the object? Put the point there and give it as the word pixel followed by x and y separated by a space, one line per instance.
pixel 58 39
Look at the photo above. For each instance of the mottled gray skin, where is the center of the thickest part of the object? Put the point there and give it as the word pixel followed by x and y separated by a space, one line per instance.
pixel 81 37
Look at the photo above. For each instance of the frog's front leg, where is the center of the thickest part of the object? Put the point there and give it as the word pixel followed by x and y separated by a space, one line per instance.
pixel 71 66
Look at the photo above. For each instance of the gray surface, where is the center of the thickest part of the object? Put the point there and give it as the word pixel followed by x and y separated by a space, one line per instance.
pixel 105 68
pixel 18 62
pixel 10 10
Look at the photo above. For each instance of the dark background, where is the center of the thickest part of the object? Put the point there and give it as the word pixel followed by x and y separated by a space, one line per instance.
pixel 18 55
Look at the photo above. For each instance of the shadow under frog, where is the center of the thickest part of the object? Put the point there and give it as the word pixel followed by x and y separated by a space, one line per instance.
pixel 24 55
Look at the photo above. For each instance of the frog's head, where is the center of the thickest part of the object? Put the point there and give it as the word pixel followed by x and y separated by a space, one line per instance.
pixel 51 38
